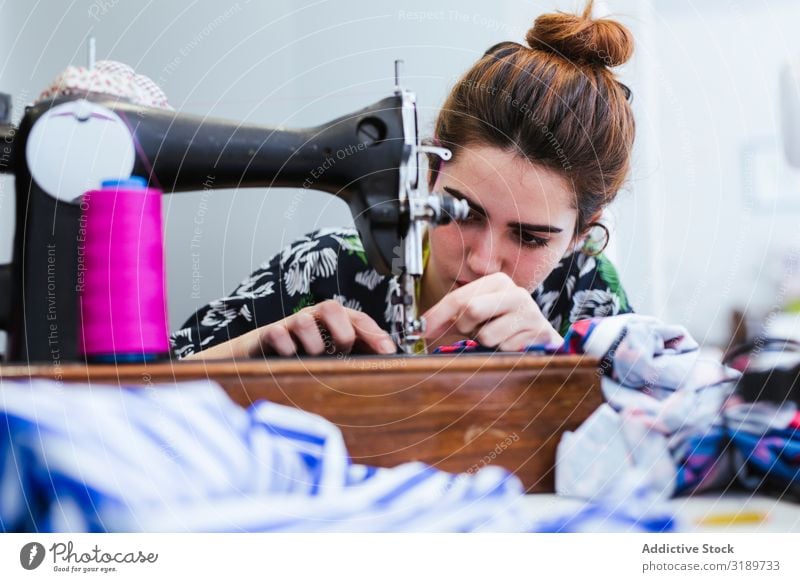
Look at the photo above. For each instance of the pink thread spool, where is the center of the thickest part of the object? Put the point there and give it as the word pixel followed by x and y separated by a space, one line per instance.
pixel 122 301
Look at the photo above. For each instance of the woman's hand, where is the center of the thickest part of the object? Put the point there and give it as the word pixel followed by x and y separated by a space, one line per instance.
pixel 326 328
pixel 493 311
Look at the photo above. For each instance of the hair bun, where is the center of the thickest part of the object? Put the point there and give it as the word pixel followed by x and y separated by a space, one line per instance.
pixel 580 38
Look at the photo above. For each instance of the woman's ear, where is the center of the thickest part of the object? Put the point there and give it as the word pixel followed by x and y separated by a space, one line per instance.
pixel 594 218
pixel 580 236
pixel 590 244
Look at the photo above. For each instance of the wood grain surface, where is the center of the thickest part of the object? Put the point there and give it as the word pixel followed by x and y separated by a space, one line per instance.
pixel 459 413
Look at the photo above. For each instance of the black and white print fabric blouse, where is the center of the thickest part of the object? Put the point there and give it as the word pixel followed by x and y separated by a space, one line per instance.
pixel 331 264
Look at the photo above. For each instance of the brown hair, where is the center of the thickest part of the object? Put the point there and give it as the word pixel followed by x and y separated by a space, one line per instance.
pixel 555 103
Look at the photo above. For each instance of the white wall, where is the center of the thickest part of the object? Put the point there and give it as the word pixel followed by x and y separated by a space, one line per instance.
pixel 688 243
pixel 716 66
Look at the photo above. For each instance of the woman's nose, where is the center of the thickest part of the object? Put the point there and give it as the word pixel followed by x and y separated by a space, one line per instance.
pixel 484 254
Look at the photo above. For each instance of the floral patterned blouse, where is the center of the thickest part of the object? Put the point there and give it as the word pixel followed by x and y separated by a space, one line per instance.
pixel 331 264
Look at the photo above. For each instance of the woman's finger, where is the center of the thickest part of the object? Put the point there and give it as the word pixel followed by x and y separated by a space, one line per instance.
pixel 338 332
pixel 506 330
pixel 467 313
pixel 274 339
pixel 304 329
pixel 518 318
pixel 491 334
pixel 370 335
pixel 451 308
pixel 445 315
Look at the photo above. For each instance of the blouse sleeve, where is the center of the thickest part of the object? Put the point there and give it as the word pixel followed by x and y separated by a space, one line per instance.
pixel 581 287
pixel 275 290
pixel 231 316
pixel 311 269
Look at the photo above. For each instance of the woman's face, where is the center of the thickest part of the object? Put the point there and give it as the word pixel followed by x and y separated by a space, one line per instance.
pixel 522 221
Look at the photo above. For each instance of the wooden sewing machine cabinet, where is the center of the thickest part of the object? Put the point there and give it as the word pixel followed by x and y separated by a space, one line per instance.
pixel 456 412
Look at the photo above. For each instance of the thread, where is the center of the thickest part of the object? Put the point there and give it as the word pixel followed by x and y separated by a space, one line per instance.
pixel 122 301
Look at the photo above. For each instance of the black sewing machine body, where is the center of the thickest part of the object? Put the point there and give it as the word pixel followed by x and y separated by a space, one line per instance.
pixel 362 158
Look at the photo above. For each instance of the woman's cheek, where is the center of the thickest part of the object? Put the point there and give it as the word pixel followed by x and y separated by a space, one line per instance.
pixel 448 240
pixel 538 266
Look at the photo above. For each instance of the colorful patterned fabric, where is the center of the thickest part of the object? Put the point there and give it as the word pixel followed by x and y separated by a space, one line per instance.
pixel 673 423
pixel 573 342
pixel 331 264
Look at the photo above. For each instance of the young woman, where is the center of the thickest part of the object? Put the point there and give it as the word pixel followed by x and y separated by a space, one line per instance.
pixel 541 137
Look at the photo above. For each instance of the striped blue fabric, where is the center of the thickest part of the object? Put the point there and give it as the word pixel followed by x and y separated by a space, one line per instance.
pixel 186 458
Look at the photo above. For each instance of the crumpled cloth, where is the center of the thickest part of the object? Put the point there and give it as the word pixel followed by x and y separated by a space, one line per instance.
pixel 672 423
pixel 107 78
pixel 186 458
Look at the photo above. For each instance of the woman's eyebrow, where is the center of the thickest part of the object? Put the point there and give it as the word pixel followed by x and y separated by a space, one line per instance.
pixel 536 227
pixel 515 225
pixel 461 196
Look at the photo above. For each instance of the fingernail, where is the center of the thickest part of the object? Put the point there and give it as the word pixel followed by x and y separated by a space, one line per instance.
pixel 388 347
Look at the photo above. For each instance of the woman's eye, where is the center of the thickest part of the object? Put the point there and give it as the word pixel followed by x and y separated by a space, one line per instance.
pixel 473 217
pixel 531 240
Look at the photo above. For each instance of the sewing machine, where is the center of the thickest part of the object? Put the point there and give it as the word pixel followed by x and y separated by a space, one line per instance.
pixel 64 147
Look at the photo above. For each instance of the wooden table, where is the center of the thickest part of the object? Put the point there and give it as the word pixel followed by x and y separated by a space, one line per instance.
pixel 459 413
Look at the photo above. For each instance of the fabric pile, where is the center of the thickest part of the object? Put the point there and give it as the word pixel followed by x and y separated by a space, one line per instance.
pixel 186 458
pixel 673 423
